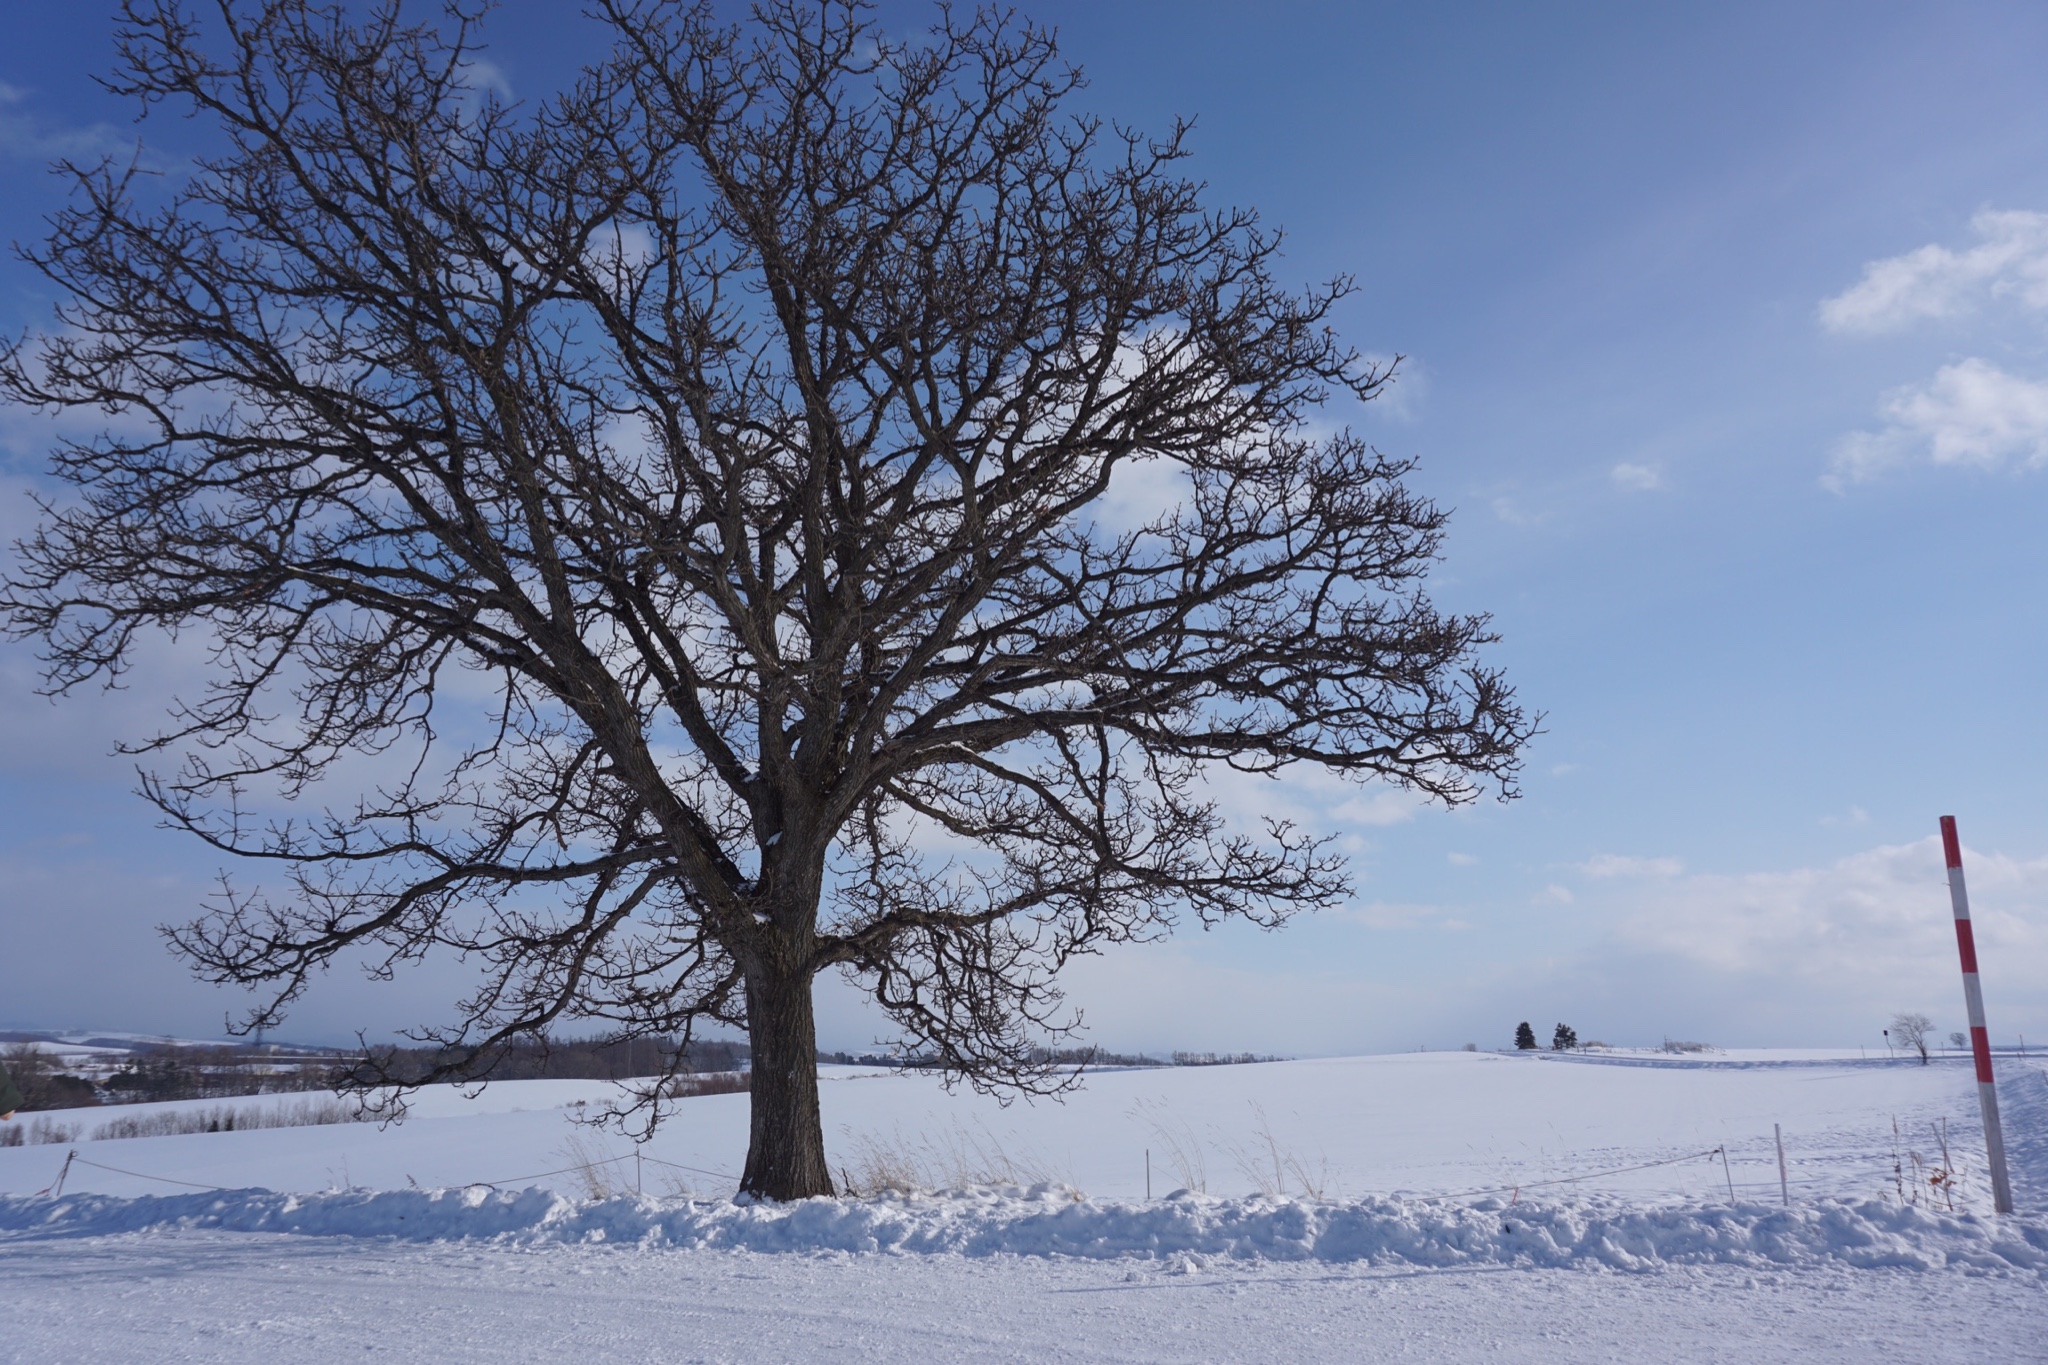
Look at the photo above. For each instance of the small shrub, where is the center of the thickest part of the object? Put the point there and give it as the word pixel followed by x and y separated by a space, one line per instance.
pixel 708 1083
pixel 1910 1031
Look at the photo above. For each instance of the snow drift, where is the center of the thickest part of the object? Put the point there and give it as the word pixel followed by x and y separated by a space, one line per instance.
pixel 1052 1221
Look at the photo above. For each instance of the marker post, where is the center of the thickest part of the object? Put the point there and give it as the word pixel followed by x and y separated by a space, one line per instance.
pixel 1973 999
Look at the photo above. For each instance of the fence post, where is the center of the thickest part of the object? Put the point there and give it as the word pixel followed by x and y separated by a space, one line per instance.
pixel 1973 1000
pixel 1784 1186
pixel 55 1188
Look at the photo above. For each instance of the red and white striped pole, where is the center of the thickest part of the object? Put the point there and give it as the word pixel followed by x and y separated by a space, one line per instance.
pixel 1973 998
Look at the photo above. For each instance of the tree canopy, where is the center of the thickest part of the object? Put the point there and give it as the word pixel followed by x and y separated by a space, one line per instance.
pixel 669 539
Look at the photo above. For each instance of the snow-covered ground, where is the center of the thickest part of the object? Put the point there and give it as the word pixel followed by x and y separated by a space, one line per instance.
pixel 1429 1206
pixel 265 1300
pixel 1432 1123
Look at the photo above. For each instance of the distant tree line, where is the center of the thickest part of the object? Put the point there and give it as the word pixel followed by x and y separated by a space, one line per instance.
pixel 196 1073
pixel 552 1059
pixel 1081 1057
pixel 169 1071
pixel 42 1085
pixel 164 1072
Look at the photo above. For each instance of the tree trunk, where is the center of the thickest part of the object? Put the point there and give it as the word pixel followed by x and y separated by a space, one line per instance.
pixel 786 1147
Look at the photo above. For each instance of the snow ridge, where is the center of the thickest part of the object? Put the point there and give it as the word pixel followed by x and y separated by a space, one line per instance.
pixel 1053 1221
pixel 2023 1096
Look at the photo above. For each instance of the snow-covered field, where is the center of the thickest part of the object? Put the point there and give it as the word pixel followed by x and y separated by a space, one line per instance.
pixel 1438 1206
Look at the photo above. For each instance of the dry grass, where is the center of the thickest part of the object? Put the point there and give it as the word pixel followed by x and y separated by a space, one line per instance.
pixel 871 1164
pixel 595 1169
pixel 1271 1168
pixel 1934 1179
pixel 1177 1143
pixel 603 1174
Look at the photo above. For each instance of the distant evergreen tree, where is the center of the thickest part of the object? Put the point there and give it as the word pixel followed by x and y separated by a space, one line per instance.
pixel 1565 1039
pixel 1525 1037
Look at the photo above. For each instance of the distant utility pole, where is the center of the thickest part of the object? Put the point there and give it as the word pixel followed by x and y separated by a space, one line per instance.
pixel 1973 999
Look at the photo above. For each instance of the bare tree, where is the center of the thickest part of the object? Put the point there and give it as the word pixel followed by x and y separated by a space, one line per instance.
pixel 658 543
pixel 1912 1031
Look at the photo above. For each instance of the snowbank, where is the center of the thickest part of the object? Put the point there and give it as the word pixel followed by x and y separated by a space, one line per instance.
pixel 1051 1221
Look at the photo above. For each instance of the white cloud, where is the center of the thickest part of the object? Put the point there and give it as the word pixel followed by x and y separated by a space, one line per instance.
pixel 1403 397
pixel 2010 260
pixel 1141 492
pixel 1460 859
pixel 1880 917
pixel 1311 797
pixel 32 138
pixel 1387 806
pixel 1637 478
pixel 1971 413
pixel 1616 865
pixel 1387 914
pixel 478 73
pixel 1515 513
pixel 1812 955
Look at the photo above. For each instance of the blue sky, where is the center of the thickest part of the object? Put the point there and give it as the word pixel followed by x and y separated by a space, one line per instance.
pixel 1727 337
